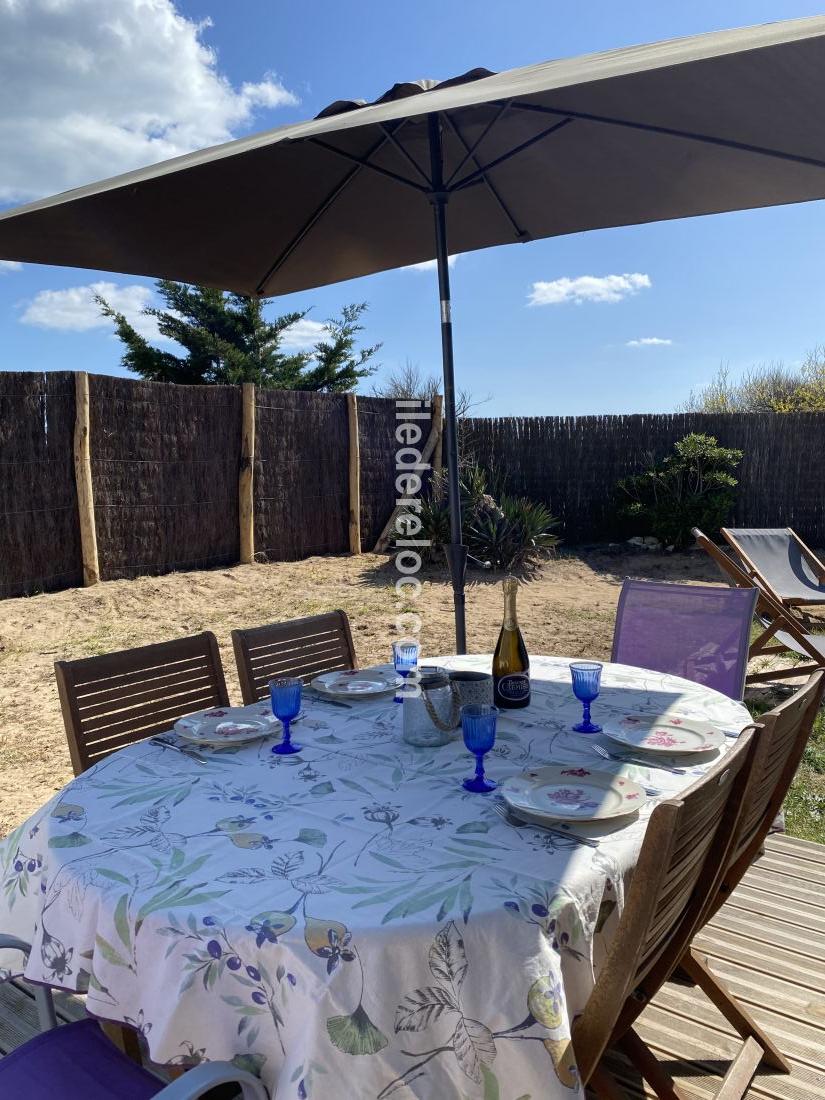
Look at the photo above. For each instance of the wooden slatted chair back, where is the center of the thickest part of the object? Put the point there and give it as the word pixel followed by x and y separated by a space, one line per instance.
pixel 785 733
pixel 120 698
pixel 299 647
pixel 679 867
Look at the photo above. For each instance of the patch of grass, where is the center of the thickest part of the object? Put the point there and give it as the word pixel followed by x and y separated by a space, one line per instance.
pixel 587 617
pixel 99 642
pixel 805 804
pixel 815 752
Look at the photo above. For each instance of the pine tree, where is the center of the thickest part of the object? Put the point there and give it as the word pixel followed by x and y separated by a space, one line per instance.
pixel 227 340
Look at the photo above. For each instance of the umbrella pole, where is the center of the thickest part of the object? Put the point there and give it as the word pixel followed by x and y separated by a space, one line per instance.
pixel 456 551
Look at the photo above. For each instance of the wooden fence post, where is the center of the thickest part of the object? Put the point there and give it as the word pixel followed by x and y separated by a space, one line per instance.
pixel 83 480
pixel 246 501
pixel 354 476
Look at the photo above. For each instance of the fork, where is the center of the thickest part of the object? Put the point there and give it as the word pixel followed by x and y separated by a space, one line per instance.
pixel 623 759
pixel 512 819
pixel 589 842
pixel 188 753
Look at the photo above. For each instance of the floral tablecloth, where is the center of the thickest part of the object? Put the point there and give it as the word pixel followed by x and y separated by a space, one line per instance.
pixel 347 922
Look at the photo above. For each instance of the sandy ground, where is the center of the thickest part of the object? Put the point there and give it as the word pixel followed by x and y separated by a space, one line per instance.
pixel 568 608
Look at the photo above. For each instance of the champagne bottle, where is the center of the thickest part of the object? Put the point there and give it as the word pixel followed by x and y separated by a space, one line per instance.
pixel 511 665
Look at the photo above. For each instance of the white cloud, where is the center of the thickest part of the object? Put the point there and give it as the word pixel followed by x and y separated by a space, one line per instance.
pixel 91 88
pixel 303 335
pixel 649 342
pixel 587 288
pixel 75 309
pixel 430 265
pixel 9 265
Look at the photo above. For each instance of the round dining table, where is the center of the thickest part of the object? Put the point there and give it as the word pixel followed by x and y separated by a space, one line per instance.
pixel 348 922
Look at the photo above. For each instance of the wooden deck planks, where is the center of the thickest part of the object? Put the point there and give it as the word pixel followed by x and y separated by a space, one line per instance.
pixel 804 849
pixel 18 1015
pixel 755 901
pixel 768 943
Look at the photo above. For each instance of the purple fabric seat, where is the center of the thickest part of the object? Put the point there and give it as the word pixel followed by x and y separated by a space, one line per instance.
pixel 74 1062
pixel 689 630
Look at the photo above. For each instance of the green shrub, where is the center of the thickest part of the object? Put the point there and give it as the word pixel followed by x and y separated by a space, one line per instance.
pixel 511 533
pixel 512 537
pixel 435 524
pixel 692 487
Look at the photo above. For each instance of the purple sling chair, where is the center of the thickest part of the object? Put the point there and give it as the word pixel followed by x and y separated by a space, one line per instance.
pixel 689 630
pixel 77 1062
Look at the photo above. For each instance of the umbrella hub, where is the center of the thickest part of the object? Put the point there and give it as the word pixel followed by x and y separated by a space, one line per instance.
pixel 403 90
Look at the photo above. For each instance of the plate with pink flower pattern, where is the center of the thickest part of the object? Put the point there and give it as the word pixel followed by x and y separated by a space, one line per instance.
pixel 228 725
pixel 567 793
pixel 668 733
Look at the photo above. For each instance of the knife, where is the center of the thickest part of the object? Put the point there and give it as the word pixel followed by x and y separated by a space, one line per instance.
pixel 318 698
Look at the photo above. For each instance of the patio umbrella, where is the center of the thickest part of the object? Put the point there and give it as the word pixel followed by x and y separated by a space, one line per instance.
pixel 723 121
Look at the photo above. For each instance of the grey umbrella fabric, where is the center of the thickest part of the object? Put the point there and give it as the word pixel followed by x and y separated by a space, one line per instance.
pixel 721 121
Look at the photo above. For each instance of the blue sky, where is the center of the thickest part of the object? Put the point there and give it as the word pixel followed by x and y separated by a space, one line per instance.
pixel 739 288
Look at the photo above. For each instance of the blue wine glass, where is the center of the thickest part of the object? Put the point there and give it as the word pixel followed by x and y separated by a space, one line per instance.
pixel 405 660
pixel 286 704
pixel 587 676
pixel 478 725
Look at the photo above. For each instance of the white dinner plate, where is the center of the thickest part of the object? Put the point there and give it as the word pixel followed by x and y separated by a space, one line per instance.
pixel 228 725
pixel 569 793
pixel 360 681
pixel 668 733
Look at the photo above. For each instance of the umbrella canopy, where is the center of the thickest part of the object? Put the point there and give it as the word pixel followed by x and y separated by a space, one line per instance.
pixel 723 121
pixel 700 125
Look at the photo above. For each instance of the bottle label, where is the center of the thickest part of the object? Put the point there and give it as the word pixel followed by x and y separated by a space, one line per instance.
pixel 514 687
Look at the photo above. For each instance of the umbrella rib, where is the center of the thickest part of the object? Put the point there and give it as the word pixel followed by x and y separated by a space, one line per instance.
pixel 314 218
pixel 519 232
pixel 471 149
pixel 365 163
pixel 474 177
pixel 669 131
pixel 405 153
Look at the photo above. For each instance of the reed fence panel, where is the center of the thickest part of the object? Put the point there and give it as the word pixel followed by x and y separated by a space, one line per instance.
pixel 165 461
pixel 39 529
pixel 573 463
pixel 301 474
pixel 377 423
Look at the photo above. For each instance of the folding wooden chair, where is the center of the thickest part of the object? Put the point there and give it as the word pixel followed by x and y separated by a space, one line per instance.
pixel 781 743
pixel 679 868
pixel 778 558
pixel 782 632
pixel 696 631
pixel 299 647
pixel 120 698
